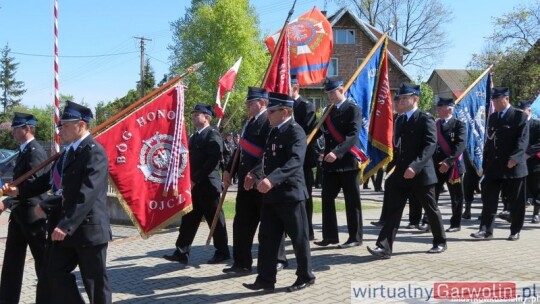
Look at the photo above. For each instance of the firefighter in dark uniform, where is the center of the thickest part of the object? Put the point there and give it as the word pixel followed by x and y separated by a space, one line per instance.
pixel 415 140
pixel 533 161
pixel 341 166
pixel 248 201
pixel 25 228
pixel 280 178
pixel 448 158
pixel 205 152
pixel 304 115
pixel 504 165
pixel 78 216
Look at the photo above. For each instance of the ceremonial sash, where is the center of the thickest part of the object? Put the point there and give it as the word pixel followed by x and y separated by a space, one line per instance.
pixel 355 151
pixel 251 148
pixel 454 176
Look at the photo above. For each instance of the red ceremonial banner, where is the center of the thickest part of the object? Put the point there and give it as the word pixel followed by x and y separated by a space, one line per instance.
pixel 145 149
pixel 279 79
pixel 311 43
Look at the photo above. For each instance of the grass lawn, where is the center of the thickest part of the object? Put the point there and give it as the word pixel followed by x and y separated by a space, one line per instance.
pixel 228 207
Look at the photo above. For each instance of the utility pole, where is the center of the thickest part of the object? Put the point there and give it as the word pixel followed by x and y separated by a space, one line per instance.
pixel 142 62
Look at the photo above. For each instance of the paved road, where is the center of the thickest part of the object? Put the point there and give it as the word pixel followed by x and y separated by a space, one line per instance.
pixel 138 274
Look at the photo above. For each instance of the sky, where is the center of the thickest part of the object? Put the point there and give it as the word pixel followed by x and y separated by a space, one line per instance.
pixel 100 58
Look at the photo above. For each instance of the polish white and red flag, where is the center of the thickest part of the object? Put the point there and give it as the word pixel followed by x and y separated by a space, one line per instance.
pixel 225 83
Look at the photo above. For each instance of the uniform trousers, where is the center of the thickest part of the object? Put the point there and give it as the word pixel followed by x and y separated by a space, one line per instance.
pixel 515 191
pixel 398 191
pixel 205 203
pixel 19 237
pixel 456 198
pixel 333 182
pixel 246 221
pixel 91 260
pixel 277 218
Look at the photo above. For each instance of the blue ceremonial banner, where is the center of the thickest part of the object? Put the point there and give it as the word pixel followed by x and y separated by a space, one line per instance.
pixel 362 90
pixel 472 111
pixel 535 108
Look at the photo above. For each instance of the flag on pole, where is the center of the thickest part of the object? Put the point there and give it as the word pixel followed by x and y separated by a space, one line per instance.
pixel 225 83
pixel 149 163
pixel 278 79
pixel 311 43
pixel 380 146
pixel 471 109
pixel 362 91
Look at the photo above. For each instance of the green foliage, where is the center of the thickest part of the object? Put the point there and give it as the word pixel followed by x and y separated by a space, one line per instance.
pixel 218 33
pixel 426 101
pixel 514 51
pixel 11 89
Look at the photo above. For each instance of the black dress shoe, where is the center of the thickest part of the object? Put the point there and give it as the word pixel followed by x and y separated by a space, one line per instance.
pixel 453 229
pixel 325 243
pixel 377 223
pixel 349 245
pixel 438 249
pixel 177 257
pixel 239 271
pixel 482 235
pixel 218 258
pixel 466 215
pixel 298 285
pixel 379 252
pixel 425 228
pixel 513 237
pixel 280 266
pixel 260 286
pixel 535 219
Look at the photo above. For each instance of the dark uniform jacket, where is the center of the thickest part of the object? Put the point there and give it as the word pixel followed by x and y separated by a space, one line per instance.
pixel 415 141
pixel 348 121
pixel 23 207
pixel 304 115
pixel 507 138
pixel 533 163
pixel 455 134
pixel 204 156
pixel 82 212
pixel 282 164
pixel 255 132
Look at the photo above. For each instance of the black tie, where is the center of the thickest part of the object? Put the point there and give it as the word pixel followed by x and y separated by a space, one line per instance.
pixel 500 115
pixel 67 158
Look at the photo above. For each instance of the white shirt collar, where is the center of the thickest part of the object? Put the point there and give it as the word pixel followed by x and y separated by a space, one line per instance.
pixel 76 143
pixel 281 124
pixel 23 145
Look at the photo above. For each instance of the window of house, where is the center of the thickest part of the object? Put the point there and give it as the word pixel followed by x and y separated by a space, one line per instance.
pixel 333 67
pixel 317 102
pixel 345 36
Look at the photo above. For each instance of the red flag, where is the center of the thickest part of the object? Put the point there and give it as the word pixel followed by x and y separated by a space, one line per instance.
pixel 380 146
pixel 225 83
pixel 311 43
pixel 278 80
pixel 147 153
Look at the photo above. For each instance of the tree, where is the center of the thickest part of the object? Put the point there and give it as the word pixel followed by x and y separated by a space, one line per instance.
pixel 12 90
pixel 218 33
pixel 427 100
pixel 519 28
pixel 417 24
pixel 514 51
pixel 149 79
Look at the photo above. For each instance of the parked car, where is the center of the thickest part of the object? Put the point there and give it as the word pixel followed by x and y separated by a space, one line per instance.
pixel 7 162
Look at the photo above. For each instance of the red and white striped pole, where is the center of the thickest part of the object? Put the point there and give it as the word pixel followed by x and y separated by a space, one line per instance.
pixel 56 107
